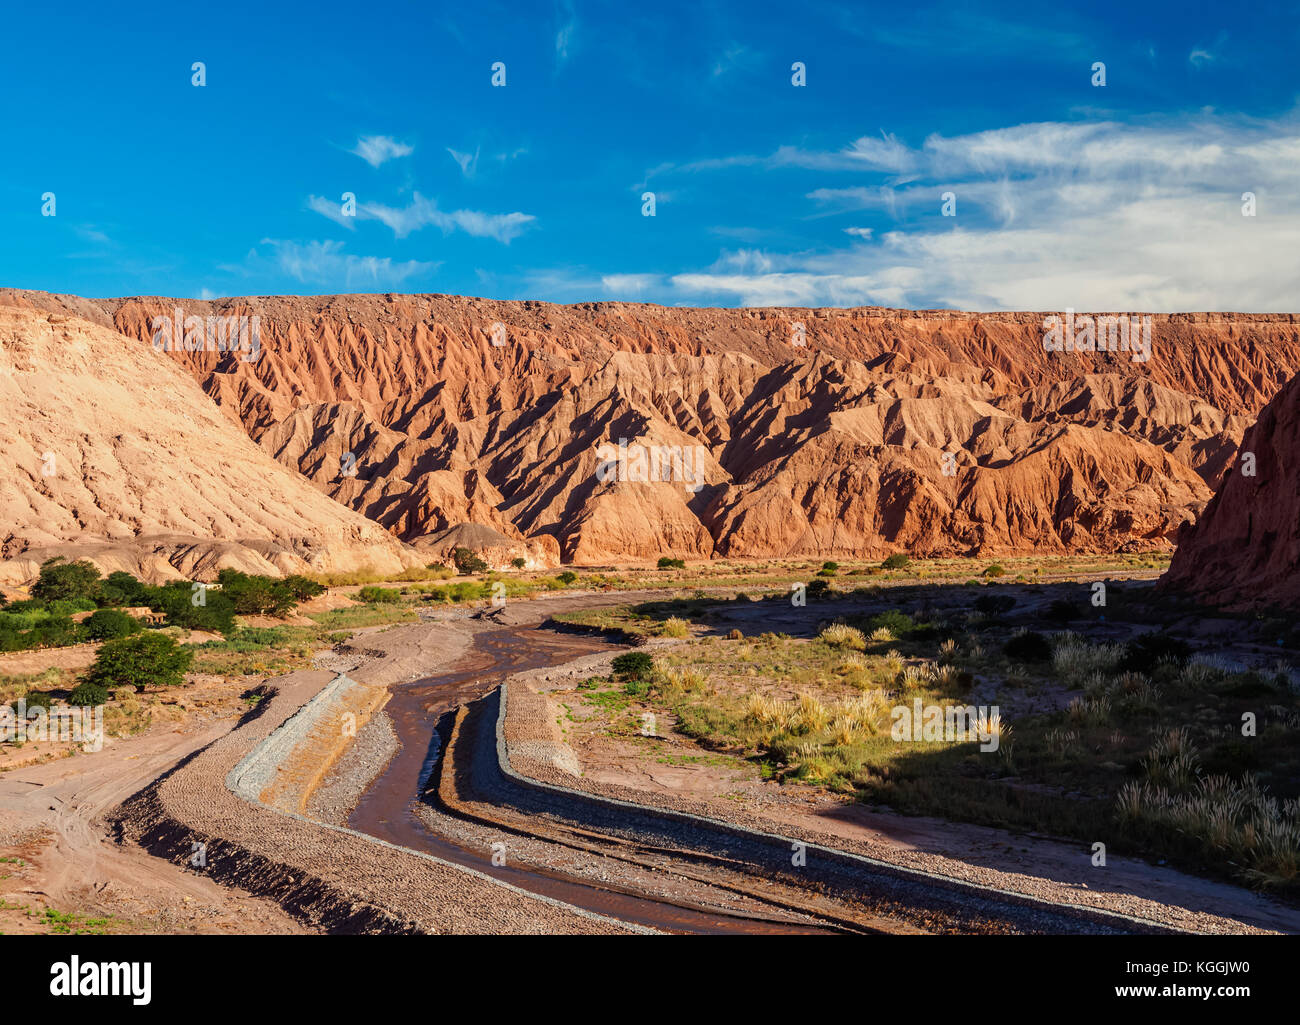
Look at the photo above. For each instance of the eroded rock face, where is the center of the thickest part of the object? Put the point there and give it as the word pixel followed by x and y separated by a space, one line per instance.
pixel 111 452
pixel 1244 550
pixel 937 433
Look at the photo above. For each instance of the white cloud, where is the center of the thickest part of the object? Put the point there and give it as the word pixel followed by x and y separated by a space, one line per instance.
pixel 564 35
pixel 886 153
pixel 1103 216
pixel 629 284
pixel 332 210
pixel 326 263
pixel 736 55
pixel 377 149
pixel 423 213
pixel 468 161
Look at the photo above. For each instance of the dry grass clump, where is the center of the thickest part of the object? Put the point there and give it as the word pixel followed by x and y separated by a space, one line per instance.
pixel 1172 761
pixel 1091 711
pixel 674 626
pixel 1230 819
pixel 1074 659
pixel 944 675
pixel 838 635
pixel 912 677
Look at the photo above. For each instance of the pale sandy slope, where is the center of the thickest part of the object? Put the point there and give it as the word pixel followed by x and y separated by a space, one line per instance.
pixel 112 451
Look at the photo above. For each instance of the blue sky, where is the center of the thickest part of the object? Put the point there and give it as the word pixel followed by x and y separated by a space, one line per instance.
pixel 1122 196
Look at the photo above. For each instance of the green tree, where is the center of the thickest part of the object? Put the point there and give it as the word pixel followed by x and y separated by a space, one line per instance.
pixel 176 601
pixel 467 562
pixel 302 588
pixel 66 581
pixel 139 661
pixel 105 624
pixel 255 595
pixel 121 588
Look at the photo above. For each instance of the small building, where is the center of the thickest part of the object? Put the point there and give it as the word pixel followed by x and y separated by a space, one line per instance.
pixel 143 613
pixel 146 615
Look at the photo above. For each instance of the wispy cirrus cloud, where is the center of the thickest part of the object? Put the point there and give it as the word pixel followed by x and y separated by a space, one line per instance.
pixel 566 34
pixel 468 162
pixel 379 149
pixel 332 210
pixel 422 212
pixel 1203 56
pixel 325 263
pixel 735 57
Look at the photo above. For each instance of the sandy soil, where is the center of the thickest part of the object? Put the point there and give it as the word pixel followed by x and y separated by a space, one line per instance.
pixel 50 820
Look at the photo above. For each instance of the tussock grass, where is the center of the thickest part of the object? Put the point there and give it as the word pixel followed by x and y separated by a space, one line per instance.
pixel 837 635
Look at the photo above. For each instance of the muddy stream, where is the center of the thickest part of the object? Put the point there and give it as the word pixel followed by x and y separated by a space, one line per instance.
pixel 386 809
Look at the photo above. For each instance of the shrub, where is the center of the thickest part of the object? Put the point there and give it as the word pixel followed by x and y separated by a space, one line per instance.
pixel 86 694
pixel 567 577
pixel 35 699
pixel 667 563
pixel 735 635
pixel 994 604
pixel 67 606
pixel 138 661
pixel 1062 611
pixel 518 563
pixel 105 624
pixel 54 633
pixel 674 626
pixel 896 561
pixel 1142 653
pixel 66 580
pixel 899 624
pixel 467 562
pixel 817 589
pixel 1028 647
pixel 995 570
pixel 635 665
pixel 380 595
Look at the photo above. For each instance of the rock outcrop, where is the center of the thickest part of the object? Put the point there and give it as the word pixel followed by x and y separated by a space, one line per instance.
pixel 112 452
pixel 934 432
pixel 1244 550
